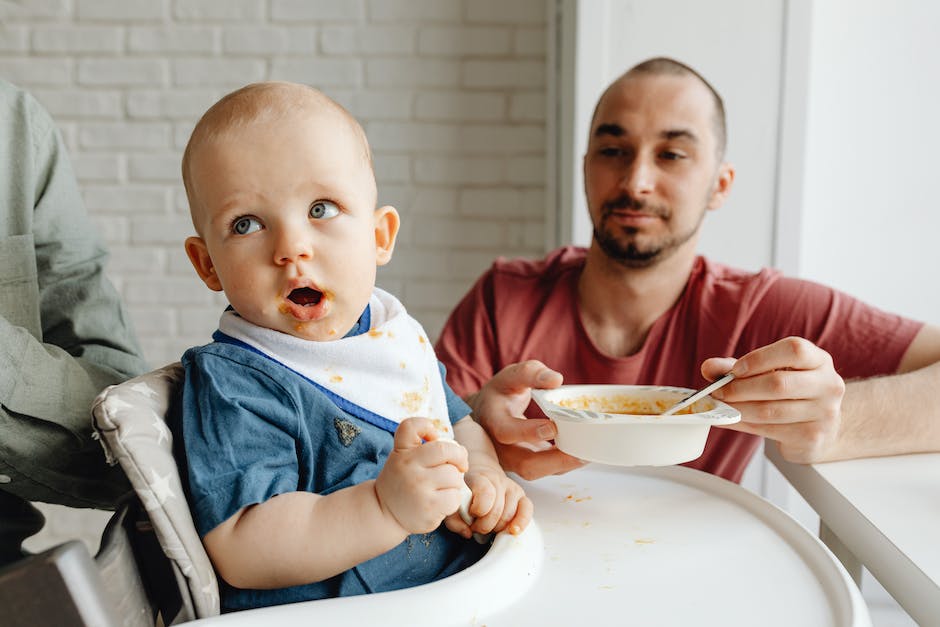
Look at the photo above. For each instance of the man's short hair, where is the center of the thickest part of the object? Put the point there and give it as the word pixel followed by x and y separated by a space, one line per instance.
pixel 665 65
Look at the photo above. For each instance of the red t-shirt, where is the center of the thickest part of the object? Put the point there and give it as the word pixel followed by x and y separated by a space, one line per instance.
pixel 523 309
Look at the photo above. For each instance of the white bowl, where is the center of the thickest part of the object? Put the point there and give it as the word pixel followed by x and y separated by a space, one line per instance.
pixel 617 424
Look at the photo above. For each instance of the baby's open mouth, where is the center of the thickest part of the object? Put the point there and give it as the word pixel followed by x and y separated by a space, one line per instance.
pixel 305 296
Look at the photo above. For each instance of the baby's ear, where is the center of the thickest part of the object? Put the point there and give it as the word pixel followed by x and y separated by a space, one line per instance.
pixel 386 230
pixel 199 256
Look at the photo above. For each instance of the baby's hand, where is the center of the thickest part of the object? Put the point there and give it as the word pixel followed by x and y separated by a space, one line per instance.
pixel 421 480
pixel 498 504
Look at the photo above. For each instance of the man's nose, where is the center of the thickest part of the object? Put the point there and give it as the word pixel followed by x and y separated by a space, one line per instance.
pixel 292 245
pixel 638 178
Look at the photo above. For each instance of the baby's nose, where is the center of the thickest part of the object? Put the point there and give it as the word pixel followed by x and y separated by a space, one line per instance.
pixel 292 247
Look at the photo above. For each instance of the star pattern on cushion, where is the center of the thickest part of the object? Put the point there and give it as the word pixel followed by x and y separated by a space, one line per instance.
pixel 144 389
pixel 163 433
pixel 161 487
pixel 210 591
pixel 114 405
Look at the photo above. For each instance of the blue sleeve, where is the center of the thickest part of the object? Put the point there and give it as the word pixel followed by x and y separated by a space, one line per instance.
pixel 456 407
pixel 239 429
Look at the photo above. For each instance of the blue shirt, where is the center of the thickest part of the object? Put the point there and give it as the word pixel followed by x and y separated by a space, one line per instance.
pixel 251 429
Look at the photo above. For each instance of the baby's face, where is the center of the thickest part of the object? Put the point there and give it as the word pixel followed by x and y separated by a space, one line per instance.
pixel 286 210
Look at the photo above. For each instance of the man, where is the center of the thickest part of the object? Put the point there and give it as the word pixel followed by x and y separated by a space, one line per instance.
pixel 63 335
pixel 638 306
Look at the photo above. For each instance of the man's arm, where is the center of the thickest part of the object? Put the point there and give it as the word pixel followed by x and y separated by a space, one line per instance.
pixel 895 414
pixel 790 392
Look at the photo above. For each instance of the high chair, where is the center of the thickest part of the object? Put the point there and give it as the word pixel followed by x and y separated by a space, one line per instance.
pixel 131 420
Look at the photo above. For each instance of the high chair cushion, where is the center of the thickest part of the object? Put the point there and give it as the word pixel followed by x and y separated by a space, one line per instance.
pixel 130 419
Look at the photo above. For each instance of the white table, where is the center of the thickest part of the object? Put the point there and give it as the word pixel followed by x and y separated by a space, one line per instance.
pixel 882 513
pixel 611 546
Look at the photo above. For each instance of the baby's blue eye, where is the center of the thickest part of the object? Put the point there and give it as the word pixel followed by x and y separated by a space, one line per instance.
pixel 245 225
pixel 323 209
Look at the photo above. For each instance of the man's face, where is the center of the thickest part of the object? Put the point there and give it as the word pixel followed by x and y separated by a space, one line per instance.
pixel 286 210
pixel 651 169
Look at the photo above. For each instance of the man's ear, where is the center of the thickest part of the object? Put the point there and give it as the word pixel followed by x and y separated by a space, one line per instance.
pixel 386 230
pixel 199 256
pixel 723 183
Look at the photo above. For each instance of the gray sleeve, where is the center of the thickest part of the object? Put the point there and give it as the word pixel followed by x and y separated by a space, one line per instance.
pixel 63 333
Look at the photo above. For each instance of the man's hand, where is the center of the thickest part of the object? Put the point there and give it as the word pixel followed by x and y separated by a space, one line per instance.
pixel 523 445
pixel 787 391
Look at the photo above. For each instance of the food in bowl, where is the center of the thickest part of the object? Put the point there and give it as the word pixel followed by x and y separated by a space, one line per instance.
pixel 622 425
pixel 618 404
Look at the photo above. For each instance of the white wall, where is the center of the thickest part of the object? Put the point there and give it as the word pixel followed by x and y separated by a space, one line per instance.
pixel 871 213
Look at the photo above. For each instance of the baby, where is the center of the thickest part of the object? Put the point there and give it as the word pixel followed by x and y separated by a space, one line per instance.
pixel 307 474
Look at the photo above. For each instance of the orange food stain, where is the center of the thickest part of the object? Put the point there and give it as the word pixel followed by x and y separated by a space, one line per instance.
pixel 412 401
pixel 283 308
pixel 422 340
pixel 375 333
pixel 573 499
pixel 403 365
pixel 336 378
pixel 644 541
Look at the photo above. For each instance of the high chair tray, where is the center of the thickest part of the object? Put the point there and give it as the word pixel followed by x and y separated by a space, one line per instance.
pixel 615 546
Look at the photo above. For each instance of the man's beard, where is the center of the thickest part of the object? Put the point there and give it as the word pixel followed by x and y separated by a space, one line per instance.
pixel 629 254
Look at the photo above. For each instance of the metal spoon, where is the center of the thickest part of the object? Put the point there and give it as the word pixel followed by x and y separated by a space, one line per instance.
pixel 705 391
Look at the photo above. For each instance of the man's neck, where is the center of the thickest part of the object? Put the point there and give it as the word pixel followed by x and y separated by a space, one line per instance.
pixel 619 305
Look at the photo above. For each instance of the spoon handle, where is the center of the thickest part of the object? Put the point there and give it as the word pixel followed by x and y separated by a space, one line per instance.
pixel 705 391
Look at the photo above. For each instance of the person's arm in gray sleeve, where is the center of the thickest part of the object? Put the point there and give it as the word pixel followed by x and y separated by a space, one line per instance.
pixel 63 333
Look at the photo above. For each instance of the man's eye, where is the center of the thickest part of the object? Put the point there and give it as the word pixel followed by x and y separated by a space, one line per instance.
pixel 611 151
pixel 245 225
pixel 323 209
pixel 668 155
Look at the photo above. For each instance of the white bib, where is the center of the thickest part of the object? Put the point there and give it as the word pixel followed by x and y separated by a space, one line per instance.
pixel 389 372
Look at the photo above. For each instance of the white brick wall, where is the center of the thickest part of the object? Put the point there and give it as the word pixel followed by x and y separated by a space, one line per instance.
pixel 452 94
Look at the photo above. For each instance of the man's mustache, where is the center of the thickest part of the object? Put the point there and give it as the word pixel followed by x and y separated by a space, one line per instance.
pixel 626 201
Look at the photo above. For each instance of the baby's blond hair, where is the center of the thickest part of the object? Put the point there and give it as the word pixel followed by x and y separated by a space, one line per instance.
pixel 260 103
